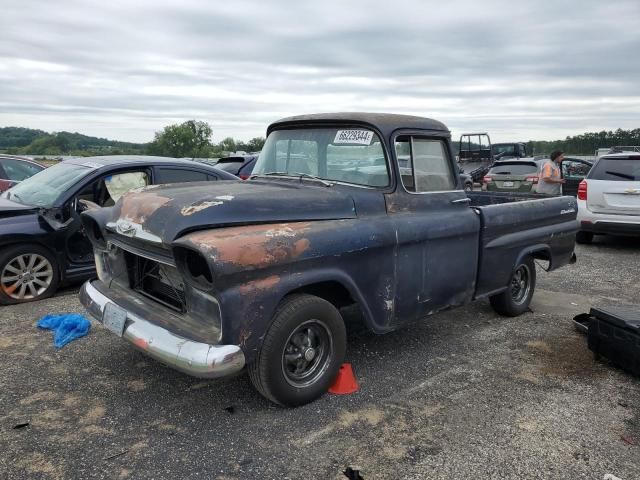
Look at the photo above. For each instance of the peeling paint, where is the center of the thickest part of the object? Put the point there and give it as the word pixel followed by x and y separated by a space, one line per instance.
pixel 262 284
pixel 254 245
pixel 137 207
pixel 196 207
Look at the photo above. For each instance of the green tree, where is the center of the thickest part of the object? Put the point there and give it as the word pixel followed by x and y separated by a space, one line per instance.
pixel 188 139
pixel 227 145
pixel 255 144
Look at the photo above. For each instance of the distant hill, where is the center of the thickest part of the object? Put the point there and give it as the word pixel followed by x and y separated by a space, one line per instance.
pixel 38 142
pixel 18 136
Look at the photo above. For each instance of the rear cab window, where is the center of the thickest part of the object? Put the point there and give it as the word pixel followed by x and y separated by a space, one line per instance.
pixel 616 169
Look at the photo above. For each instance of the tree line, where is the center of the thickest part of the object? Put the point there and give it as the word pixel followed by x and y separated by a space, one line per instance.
pixel 189 139
pixel 586 143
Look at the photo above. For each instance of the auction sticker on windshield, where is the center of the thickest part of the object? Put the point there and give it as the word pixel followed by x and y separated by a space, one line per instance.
pixel 359 137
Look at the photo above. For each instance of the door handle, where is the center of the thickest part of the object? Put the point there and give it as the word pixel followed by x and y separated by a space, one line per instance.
pixel 461 200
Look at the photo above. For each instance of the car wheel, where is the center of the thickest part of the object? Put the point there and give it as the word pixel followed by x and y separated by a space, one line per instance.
pixel 27 273
pixel 584 237
pixel 516 299
pixel 301 352
pixel 468 186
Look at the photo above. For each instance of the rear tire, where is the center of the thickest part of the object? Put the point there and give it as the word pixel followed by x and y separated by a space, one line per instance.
pixel 584 237
pixel 516 299
pixel 27 273
pixel 301 352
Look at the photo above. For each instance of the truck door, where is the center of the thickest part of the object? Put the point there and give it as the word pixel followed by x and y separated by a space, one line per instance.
pixel 437 232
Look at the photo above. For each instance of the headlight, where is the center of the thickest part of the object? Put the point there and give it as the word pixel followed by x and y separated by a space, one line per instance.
pixel 194 268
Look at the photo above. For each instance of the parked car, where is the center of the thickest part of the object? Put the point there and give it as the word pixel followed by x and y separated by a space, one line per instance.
pixel 14 169
pixel 609 198
pixel 257 273
pixel 574 170
pixel 238 165
pixel 512 176
pixel 42 242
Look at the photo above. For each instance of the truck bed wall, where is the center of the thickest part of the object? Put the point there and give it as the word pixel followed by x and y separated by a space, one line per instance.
pixel 516 225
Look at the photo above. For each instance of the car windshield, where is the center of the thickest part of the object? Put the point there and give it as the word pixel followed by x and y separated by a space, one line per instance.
pixel 617 169
pixel 44 188
pixel 514 169
pixel 349 155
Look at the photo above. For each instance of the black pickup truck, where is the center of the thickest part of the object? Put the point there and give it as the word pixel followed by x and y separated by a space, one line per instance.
pixel 210 278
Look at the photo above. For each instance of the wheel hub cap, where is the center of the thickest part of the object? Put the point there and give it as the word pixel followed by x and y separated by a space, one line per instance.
pixel 309 354
pixel 26 276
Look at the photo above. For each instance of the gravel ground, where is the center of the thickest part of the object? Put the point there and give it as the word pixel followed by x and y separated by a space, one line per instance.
pixel 464 395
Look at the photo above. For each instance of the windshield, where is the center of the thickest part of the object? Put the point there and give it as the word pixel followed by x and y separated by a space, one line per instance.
pixel 350 155
pixel 514 169
pixel 618 169
pixel 507 149
pixel 44 188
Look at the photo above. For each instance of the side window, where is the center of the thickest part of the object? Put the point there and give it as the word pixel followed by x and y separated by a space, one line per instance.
pixel 424 165
pixel 572 169
pixel 18 171
pixel 106 190
pixel 176 175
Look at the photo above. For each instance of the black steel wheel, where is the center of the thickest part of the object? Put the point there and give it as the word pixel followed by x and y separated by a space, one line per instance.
pixel 301 352
pixel 516 298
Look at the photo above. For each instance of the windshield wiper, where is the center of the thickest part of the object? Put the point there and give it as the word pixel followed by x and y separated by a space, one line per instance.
pixel 313 177
pixel 293 175
pixel 621 175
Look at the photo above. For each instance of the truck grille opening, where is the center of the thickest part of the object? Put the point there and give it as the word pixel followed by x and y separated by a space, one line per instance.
pixel 157 281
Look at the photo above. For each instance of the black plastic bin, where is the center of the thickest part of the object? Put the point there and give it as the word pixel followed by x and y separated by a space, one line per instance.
pixel 614 333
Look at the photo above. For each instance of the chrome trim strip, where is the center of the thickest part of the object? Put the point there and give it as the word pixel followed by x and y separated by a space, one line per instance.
pixel 140 253
pixel 193 358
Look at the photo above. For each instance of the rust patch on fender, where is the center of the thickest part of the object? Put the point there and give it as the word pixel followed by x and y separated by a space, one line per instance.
pixel 254 245
pixel 262 284
pixel 136 207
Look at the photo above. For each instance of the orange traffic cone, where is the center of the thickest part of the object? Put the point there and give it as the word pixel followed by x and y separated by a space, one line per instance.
pixel 345 383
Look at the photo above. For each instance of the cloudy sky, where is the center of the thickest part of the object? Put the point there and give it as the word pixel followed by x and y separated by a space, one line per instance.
pixel 124 69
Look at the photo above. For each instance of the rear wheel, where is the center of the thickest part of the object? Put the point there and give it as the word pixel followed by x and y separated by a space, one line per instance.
pixel 301 352
pixel 27 273
pixel 584 237
pixel 516 299
pixel 468 186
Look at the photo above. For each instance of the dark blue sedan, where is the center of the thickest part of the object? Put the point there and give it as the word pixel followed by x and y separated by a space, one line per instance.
pixel 42 241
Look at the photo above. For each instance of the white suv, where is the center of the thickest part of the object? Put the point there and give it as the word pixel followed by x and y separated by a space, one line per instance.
pixel 609 198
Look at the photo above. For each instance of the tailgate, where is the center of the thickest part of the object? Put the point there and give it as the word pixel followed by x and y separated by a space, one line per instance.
pixel 613 197
pixel 510 230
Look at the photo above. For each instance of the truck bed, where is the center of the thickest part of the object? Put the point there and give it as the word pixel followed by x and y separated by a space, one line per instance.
pixel 514 225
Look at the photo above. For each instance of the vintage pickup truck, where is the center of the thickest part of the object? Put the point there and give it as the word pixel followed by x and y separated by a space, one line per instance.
pixel 210 278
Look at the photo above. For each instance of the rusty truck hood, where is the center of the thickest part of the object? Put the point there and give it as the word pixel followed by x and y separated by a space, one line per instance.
pixel 162 213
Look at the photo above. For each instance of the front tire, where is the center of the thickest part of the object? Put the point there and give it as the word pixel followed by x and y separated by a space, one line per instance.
pixel 516 299
pixel 27 273
pixel 301 352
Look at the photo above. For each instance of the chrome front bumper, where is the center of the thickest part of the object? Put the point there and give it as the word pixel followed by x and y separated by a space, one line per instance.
pixel 194 358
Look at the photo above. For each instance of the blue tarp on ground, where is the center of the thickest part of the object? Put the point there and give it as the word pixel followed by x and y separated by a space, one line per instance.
pixel 66 326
